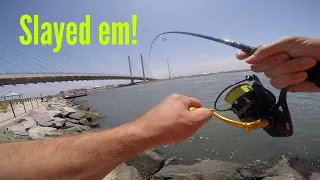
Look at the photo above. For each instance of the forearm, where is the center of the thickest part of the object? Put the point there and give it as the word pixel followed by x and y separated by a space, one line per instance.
pixel 87 156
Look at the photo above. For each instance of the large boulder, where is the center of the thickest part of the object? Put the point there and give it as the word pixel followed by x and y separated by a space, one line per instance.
pixel 42 132
pixel 147 163
pixel 73 121
pixel 42 117
pixel 76 127
pixel 66 111
pixel 53 106
pixel 17 130
pixel 123 172
pixel 84 122
pixel 203 170
pixel 20 130
pixel 91 116
pixel 27 122
pixel 287 164
pixel 60 120
pixel 55 113
pixel 77 115
pixel 94 124
pixel 283 167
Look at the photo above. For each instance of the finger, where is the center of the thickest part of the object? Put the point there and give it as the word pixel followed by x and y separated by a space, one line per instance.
pixel 201 115
pixel 304 86
pixel 282 45
pixel 270 62
pixel 294 65
pixel 242 55
pixel 191 102
pixel 288 79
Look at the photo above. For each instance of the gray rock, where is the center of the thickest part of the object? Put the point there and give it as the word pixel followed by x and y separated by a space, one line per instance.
pixel 123 172
pixel 85 128
pixel 53 106
pixel 91 116
pixel 288 164
pixel 204 170
pixel 76 127
pixel 27 122
pixel 70 125
pixel 77 115
pixel 284 167
pixel 26 118
pixel 315 176
pixel 60 120
pixel 84 121
pixel 67 111
pixel 56 124
pixel 284 177
pixel 73 121
pixel 17 130
pixel 41 132
pixel 147 163
pixel 22 128
pixel 55 113
pixel 41 117
pixel 94 124
pixel 79 128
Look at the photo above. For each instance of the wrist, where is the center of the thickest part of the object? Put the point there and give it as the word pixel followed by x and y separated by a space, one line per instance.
pixel 145 132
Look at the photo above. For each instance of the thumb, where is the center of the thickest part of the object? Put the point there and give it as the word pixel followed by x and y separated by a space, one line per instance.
pixel 262 52
pixel 202 115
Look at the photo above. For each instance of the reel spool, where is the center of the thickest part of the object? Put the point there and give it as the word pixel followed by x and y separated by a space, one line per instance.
pixel 256 107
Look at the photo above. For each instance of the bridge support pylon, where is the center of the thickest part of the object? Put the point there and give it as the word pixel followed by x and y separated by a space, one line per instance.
pixel 132 82
pixel 144 76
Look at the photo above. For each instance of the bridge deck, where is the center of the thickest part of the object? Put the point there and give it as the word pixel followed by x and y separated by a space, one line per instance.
pixel 12 79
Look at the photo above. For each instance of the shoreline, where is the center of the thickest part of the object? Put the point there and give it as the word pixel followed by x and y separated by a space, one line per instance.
pixel 56 118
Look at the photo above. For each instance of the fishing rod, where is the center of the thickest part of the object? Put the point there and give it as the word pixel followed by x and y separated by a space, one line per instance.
pixel 255 106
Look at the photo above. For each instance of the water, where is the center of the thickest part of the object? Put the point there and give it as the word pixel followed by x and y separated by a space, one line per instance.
pixel 215 140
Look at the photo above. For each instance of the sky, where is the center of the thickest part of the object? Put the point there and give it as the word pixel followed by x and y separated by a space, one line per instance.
pixel 248 21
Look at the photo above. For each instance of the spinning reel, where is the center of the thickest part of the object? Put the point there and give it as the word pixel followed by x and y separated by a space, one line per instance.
pixel 255 106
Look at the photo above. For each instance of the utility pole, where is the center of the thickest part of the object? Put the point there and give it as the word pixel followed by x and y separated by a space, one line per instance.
pixel 144 76
pixel 169 69
pixel 130 70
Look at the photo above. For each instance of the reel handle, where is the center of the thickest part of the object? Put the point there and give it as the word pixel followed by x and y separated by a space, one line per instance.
pixel 248 126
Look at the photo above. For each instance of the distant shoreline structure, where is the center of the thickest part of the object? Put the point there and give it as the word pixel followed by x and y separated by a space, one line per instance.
pixel 210 73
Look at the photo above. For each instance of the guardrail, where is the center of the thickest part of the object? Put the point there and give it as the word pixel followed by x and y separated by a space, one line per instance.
pixel 18 107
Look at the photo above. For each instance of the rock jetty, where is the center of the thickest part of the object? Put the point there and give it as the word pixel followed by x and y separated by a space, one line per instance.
pixel 59 117
pixel 151 165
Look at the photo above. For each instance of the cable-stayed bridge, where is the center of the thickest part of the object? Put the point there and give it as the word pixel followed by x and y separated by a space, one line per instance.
pixel 37 64
pixel 25 65
pixel 27 78
pixel 13 79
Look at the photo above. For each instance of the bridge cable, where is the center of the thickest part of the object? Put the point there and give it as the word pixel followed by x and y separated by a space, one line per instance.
pixel 46 56
pixel 70 54
pixel 13 64
pixel 39 50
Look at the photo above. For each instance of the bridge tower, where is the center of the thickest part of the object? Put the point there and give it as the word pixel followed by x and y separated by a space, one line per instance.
pixel 132 82
pixel 144 76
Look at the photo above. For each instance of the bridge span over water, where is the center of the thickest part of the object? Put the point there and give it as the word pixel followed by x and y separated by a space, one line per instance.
pixel 13 79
